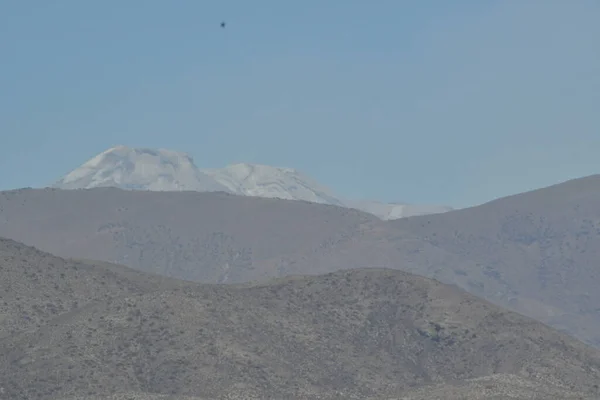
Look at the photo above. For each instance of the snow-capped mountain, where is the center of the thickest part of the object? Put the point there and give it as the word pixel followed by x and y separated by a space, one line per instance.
pixel 140 169
pixel 266 181
pixel 168 170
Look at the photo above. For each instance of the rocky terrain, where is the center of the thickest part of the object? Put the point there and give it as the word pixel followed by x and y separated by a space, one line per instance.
pixel 363 334
pixel 495 387
pixel 37 287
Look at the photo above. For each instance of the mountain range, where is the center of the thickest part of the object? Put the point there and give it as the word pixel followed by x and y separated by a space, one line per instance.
pixel 255 282
pixel 167 170
pixel 83 330
pixel 535 253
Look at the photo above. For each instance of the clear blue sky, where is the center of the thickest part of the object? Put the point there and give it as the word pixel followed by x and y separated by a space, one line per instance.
pixel 448 102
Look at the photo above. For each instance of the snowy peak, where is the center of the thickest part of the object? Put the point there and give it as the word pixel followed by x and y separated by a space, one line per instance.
pixel 167 170
pixel 140 169
pixel 275 182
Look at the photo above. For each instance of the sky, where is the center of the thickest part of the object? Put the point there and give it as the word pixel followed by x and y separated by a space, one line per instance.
pixel 420 101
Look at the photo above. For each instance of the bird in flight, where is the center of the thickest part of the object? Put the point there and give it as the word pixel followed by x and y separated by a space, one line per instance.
pixel 223 24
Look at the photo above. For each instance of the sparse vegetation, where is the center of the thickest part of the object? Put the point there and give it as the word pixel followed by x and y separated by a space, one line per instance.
pixel 372 333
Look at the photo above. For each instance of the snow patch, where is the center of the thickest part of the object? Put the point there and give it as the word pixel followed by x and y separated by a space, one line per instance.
pixel 274 182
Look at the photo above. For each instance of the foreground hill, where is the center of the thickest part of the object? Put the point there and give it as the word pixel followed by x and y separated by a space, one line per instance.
pixel 368 334
pixel 36 287
pixel 495 387
pixel 536 253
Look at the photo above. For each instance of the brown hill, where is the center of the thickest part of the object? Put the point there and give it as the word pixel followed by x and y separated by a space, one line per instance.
pixel 371 333
pixel 536 253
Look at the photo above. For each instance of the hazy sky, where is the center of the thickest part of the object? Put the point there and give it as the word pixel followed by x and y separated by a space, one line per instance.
pixel 448 102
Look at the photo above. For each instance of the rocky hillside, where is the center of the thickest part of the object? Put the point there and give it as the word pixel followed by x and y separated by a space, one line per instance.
pixel 363 334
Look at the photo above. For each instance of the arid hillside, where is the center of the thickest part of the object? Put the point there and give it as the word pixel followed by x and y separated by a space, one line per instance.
pixel 36 287
pixel 370 333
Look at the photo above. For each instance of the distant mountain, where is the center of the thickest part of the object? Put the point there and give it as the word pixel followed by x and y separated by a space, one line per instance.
pixel 168 170
pixel 91 331
pixel 140 169
pixel 272 182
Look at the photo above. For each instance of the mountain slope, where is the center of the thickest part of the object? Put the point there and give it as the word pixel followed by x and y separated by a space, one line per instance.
pixel 166 170
pixel 494 387
pixel 359 334
pixel 535 253
pixel 37 287
pixel 392 211
pixel 271 182
pixel 207 237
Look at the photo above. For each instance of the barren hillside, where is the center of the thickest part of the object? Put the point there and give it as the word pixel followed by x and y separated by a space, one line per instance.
pixel 373 333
